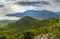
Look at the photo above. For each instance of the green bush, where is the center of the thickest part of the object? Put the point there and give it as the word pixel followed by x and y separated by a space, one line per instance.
pixel 28 35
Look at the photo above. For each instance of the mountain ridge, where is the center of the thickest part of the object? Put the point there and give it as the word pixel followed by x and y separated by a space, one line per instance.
pixel 37 14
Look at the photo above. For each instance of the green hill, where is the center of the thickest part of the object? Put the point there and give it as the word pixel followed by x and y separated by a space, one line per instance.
pixel 23 24
pixel 27 23
pixel 16 30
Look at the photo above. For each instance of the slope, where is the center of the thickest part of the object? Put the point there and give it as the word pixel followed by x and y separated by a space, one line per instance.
pixel 16 29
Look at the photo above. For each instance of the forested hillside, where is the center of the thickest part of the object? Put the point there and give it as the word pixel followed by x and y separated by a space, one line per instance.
pixel 28 28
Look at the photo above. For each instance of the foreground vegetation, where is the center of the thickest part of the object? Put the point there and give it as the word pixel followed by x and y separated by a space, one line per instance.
pixel 27 28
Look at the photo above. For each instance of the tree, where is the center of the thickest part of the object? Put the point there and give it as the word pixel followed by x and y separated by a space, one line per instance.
pixel 2 37
pixel 28 35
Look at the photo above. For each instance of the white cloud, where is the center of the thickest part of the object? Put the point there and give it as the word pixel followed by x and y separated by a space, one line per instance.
pixel 12 8
pixel 8 18
pixel 17 8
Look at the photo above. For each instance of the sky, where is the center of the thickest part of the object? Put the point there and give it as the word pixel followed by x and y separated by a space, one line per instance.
pixel 13 6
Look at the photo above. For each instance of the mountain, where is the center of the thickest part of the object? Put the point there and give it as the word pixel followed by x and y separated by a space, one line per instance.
pixel 29 25
pixel 58 13
pixel 37 14
pixel 25 22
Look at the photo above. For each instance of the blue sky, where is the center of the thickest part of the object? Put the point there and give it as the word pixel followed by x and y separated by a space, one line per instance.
pixel 13 6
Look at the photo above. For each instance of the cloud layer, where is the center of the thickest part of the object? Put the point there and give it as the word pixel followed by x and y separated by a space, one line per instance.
pixel 13 6
pixel 33 3
pixel 8 18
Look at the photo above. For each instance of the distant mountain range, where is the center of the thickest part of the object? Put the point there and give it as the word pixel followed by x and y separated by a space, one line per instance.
pixel 37 14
